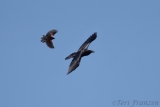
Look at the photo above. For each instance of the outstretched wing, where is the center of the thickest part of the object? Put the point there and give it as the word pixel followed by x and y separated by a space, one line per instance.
pixel 75 62
pixel 51 33
pixel 49 43
pixel 71 55
pixel 85 45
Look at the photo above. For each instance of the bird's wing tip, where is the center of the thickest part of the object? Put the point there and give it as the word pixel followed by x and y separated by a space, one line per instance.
pixel 67 73
pixel 95 33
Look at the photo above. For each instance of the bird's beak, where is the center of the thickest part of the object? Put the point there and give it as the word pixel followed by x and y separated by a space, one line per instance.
pixel 93 51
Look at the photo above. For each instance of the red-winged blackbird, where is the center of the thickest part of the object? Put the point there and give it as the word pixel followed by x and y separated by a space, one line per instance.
pixel 82 51
pixel 49 37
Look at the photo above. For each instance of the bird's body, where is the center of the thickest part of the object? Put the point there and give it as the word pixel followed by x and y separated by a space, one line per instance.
pixel 48 38
pixel 85 53
pixel 82 51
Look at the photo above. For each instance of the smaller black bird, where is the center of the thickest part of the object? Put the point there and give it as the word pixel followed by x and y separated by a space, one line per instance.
pixel 48 38
pixel 82 51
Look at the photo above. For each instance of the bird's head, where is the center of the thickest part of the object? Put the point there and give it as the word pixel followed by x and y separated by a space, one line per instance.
pixel 92 51
pixel 53 38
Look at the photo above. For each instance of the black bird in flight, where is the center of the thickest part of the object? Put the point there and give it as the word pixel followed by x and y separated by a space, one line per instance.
pixel 48 38
pixel 82 51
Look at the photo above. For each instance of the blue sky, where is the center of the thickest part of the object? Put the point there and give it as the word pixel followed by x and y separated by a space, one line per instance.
pixel 125 65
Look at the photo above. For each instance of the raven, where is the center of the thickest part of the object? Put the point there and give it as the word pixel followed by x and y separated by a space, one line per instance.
pixel 48 38
pixel 82 51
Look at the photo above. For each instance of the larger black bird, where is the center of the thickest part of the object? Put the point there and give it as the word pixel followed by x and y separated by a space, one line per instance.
pixel 82 51
pixel 48 38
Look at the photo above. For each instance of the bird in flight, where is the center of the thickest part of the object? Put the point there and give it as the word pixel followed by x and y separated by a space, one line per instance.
pixel 48 38
pixel 82 51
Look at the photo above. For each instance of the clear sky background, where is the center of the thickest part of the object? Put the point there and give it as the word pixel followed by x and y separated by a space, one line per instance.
pixel 125 65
